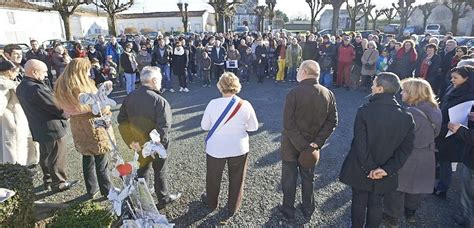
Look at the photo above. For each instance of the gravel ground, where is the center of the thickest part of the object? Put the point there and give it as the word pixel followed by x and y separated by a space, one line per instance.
pixel 186 167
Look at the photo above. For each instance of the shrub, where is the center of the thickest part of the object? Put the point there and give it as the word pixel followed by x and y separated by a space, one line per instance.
pixel 18 210
pixel 85 214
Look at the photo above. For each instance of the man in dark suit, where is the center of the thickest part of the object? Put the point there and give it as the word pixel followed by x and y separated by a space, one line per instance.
pixel 47 124
pixel 142 111
pixel 218 56
pixel 383 140
pixel 309 118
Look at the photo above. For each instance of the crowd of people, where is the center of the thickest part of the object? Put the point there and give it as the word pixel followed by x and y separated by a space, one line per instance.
pixel 390 167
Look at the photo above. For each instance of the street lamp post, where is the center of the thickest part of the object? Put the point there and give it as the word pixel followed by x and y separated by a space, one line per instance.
pixel 221 7
pixel 271 6
pixel 184 13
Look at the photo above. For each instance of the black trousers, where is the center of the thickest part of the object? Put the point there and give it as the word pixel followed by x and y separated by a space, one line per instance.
pixel 396 203
pixel 96 174
pixel 218 71
pixel 182 80
pixel 161 185
pixel 366 209
pixel 289 177
pixel 53 162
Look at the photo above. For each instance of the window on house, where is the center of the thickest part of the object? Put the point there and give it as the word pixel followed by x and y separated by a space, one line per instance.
pixel 11 17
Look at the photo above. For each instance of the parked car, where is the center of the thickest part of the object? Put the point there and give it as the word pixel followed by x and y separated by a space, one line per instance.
pixel 465 41
pixel 241 30
pixel 391 29
pixel 329 32
pixel 418 30
pixel 365 33
pixel 435 29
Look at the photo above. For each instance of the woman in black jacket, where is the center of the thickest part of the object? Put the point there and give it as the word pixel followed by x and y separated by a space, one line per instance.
pixel 179 61
pixel 428 65
pixel 450 148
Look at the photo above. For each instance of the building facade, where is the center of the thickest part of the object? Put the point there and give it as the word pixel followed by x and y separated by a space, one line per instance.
pixel 198 21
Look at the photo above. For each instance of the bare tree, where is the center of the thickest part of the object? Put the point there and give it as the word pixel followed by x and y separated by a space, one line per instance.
pixel 271 11
pixel 260 12
pixel 367 10
pixel 459 9
pixel 375 17
pixel 405 9
pixel 426 9
pixel 390 14
pixel 112 7
pixel 316 6
pixel 353 10
pixel 66 8
pixel 336 8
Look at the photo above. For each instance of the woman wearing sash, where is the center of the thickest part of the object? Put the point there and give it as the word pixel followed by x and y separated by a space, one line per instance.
pixel 228 119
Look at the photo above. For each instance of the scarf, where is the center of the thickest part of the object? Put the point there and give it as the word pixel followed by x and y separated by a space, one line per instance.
pixel 179 52
pixel 425 65
pixel 412 54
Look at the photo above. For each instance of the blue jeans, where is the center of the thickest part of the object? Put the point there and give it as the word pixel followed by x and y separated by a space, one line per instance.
pixel 445 173
pixel 467 194
pixel 167 80
pixel 292 73
pixel 326 79
pixel 190 75
pixel 130 82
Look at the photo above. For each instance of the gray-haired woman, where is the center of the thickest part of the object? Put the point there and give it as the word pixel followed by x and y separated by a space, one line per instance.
pixel 369 58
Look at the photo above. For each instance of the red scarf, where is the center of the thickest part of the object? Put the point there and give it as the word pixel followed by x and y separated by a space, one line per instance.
pixel 412 54
pixel 454 61
pixel 425 65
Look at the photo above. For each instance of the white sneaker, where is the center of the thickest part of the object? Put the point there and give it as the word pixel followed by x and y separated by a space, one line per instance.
pixel 172 90
pixel 163 90
pixel 181 89
pixel 186 90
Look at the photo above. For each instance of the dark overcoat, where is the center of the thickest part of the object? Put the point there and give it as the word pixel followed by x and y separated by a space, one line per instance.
pixel 383 137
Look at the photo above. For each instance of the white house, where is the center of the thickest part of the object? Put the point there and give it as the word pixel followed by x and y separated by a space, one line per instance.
pixel 325 20
pixel 198 21
pixel 21 22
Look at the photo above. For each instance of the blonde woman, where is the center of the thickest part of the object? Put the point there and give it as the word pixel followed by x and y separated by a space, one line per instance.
pixel 17 146
pixel 417 176
pixel 227 142
pixel 92 143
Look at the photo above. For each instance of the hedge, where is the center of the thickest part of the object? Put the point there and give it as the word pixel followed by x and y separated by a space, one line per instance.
pixel 18 210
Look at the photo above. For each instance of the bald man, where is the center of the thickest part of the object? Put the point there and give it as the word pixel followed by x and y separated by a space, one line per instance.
pixel 47 123
pixel 309 118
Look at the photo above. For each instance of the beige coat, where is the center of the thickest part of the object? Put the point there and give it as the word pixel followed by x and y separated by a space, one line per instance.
pixel 370 56
pixel 17 145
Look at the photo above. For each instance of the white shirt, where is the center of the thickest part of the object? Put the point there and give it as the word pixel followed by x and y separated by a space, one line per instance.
pixel 231 139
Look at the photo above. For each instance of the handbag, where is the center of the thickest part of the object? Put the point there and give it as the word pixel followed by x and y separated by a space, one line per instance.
pixel 369 66
pixel 309 160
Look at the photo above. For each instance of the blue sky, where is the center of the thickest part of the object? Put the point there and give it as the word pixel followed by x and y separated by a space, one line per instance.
pixel 293 8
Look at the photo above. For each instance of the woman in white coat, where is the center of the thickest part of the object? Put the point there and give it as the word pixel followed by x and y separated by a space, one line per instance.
pixel 227 142
pixel 17 145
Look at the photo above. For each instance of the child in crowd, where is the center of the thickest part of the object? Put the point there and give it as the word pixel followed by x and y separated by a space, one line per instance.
pixel 382 62
pixel 110 69
pixel 96 72
pixel 233 55
pixel 206 69
pixel 246 63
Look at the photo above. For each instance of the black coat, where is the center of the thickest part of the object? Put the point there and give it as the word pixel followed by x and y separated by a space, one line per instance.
pixel 261 55
pixel 467 135
pixel 47 122
pixel 383 137
pixel 450 149
pixel 433 70
pixel 179 63
pixel 311 51
pixel 142 111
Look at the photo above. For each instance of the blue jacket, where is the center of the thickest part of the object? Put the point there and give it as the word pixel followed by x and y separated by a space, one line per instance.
pixel 115 52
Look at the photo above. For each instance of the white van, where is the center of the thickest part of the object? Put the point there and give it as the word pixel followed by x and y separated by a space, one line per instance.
pixel 435 29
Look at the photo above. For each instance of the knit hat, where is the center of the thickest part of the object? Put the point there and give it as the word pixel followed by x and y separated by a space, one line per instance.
pixel 6 65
